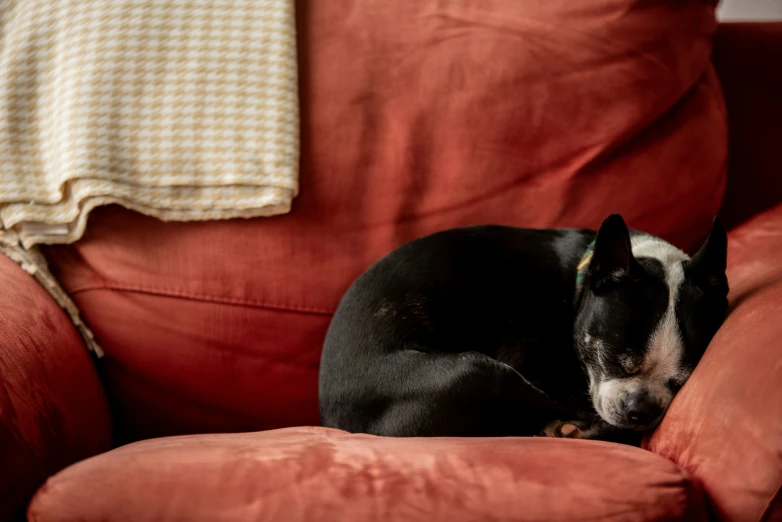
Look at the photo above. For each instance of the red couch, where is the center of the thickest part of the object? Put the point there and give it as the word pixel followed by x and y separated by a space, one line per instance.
pixel 416 116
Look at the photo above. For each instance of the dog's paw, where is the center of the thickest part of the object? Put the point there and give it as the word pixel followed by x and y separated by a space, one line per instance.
pixel 565 430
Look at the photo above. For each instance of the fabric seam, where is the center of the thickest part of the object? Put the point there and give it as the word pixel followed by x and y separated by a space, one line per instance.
pixel 167 292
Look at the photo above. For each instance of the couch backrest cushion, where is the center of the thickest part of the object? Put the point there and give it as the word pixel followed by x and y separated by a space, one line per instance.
pixel 417 116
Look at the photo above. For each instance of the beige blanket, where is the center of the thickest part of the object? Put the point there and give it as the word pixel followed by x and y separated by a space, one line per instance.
pixel 179 109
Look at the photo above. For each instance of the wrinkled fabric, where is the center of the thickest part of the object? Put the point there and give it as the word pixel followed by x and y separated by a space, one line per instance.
pixel 725 425
pixel 417 116
pixel 319 475
pixel 53 411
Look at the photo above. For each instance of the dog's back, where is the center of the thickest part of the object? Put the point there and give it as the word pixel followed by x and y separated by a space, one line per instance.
pixel 434 338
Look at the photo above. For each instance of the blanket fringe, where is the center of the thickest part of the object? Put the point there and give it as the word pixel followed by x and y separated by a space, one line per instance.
pixel 34 263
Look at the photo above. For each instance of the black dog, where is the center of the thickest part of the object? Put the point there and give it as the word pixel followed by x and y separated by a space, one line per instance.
pixel 493 331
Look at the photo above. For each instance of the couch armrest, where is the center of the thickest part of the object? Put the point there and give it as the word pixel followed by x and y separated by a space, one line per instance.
pixel 724 427
pixel 747 57
pixel 53 410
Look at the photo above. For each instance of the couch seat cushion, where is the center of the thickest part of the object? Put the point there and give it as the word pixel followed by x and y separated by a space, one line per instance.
pixel 317 474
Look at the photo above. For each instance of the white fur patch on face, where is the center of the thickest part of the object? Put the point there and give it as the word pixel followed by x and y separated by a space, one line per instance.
pixel 665 346
pixel 589 342
pixel 609 395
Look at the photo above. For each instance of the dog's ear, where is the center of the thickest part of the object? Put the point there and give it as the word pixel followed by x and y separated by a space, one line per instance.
pixel 612 258
pixel 707 268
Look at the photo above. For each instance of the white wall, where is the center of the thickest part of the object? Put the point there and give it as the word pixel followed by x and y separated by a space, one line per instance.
pixel 749 10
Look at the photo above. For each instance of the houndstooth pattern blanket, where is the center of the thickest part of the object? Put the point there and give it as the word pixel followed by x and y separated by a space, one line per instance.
pixel 179 109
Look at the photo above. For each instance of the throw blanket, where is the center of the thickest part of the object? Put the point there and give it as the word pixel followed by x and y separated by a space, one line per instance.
pixel 179 109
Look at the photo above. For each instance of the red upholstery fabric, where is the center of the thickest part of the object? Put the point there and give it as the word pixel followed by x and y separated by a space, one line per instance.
pixel 417 116
pixel 319 475
pixel 745 56
pixel 52 409
pixel 725 426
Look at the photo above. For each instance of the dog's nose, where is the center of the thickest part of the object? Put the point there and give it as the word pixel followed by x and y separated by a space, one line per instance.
pixel 640 408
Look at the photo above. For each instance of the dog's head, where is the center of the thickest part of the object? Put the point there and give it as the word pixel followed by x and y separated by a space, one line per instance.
pixel 646 313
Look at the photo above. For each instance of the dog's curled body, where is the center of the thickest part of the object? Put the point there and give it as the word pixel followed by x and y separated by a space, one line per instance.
pixel 481 331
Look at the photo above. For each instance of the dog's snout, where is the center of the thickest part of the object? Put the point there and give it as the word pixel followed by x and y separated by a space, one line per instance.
pixel 641 408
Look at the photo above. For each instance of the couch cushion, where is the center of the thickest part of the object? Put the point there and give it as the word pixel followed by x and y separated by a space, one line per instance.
pixel 417 116
pixel 315 474
pixel 725 425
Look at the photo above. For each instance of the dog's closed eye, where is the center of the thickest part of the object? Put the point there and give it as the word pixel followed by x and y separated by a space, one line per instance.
pixel 630 366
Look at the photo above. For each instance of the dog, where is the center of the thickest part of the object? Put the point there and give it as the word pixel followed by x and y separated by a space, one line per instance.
pixel 501 331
